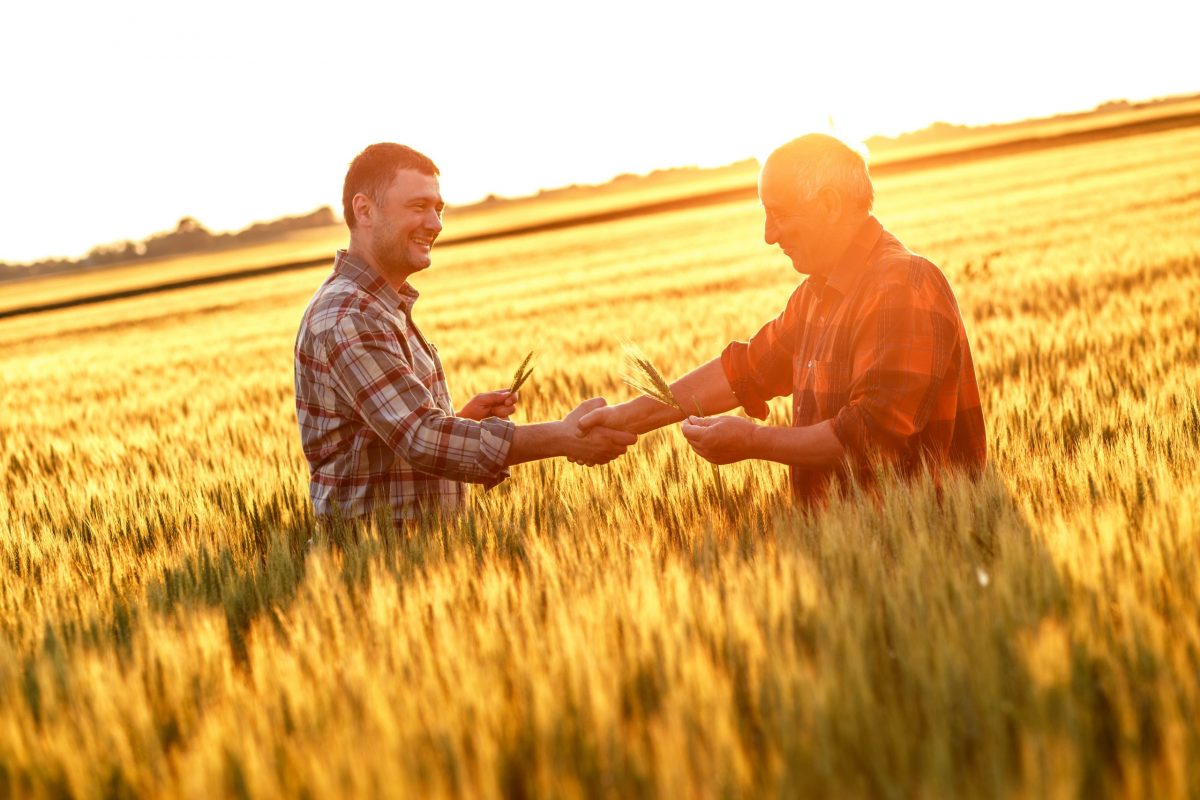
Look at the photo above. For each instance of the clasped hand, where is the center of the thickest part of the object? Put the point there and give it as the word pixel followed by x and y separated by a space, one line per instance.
pixel 596 444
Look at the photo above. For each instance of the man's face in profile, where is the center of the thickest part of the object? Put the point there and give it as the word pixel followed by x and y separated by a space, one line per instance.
pixel 797 226
pixel 408 221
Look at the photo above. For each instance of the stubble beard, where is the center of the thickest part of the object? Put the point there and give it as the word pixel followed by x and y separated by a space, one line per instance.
pixel 392 252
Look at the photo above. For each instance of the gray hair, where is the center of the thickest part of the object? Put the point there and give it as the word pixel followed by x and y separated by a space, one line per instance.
pixel 818 160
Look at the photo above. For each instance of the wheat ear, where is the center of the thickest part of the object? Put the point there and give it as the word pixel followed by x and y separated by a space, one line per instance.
pixel 644 377
pixel 522 373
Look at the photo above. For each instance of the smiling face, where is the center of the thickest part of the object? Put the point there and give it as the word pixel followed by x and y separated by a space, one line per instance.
pixel 405 224
pixel 800 226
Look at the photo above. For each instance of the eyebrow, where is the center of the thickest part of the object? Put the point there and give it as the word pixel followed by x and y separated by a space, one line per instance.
pixel 428 198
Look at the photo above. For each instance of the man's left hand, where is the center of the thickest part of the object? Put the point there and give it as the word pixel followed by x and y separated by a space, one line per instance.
pixel 501 403
pixel 721 440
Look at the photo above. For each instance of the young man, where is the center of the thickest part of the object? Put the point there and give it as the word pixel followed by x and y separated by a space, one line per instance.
pixel 871 347
pixel 376 422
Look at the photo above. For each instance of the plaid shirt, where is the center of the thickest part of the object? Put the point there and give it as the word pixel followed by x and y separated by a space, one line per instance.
pixel 376 422
pixel 879 349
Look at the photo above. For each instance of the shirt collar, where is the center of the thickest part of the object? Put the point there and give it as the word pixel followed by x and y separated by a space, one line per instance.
pixel 369 280
pixel 854 260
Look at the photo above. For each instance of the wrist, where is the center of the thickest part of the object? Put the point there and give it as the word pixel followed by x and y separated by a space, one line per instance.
pixel 644 414
pixel 619 416
pixel 758 443
pixel 560 437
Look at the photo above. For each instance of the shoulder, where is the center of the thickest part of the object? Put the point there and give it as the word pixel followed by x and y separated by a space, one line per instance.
pixel 801 295
pixel 340 305
pixel 895 268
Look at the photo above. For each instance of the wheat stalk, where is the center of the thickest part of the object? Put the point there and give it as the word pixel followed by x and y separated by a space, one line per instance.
pixel 644 377
pixel 522 374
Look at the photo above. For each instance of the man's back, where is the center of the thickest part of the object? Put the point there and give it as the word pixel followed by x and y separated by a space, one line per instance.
pixel 909 324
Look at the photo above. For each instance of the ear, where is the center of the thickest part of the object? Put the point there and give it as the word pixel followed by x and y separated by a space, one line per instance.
pixel 830 201
pixel 364 209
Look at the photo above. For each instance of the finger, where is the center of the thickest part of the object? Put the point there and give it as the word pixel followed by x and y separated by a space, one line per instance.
pixel 613 436
pixel 592 403
pixel 593 418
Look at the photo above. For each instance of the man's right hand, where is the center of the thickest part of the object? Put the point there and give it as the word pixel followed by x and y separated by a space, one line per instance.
pixel 705 387
pixel 602 416
pixel 597 443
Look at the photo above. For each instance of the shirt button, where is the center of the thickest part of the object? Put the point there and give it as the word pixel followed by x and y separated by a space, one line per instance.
pixel 810 365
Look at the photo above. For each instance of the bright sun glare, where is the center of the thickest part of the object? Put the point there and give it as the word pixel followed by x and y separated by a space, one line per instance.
pixel 130 118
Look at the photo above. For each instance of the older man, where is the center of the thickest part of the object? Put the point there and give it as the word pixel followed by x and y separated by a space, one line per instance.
pixel 376 421
pixel 871 347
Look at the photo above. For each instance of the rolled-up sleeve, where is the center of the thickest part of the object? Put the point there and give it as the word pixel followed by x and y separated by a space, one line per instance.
pixel 761 369
pixel 904 347
pixel 374 375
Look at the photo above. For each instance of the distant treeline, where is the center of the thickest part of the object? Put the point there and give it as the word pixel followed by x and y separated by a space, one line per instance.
pixel 189 236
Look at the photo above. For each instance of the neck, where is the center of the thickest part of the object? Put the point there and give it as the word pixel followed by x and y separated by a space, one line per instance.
pixel 841 237
pixel 361 250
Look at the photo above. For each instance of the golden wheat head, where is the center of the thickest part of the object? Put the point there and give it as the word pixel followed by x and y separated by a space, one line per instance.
pixel 644 377
pixel 522 373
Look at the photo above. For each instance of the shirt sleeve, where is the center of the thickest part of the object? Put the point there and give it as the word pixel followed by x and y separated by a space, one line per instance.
pixel 375 376
pixel 903 351
pixel 761 369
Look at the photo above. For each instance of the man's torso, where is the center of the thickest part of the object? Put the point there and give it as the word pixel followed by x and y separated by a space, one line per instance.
pixel 352 469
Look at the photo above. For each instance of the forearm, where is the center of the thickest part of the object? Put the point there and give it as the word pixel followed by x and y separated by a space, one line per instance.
pixel 808 447
pixel 451 447
pixel 703 391
pixel 536 441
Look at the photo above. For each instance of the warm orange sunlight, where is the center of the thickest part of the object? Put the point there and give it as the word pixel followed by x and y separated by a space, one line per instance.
pixel 636 434
pixel 120 120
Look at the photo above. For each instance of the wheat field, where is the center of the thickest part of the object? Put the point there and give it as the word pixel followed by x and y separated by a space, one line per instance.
pixel 657 627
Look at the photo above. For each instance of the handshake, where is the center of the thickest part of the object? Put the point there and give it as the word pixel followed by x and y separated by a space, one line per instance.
pixel 580 436
pixel 595 443
pixel 610 429
pixel 596 433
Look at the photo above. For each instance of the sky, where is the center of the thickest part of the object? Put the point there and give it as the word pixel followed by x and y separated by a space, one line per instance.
pixel 119 118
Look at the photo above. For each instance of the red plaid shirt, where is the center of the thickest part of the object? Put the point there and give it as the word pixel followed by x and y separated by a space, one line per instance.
pixel 879 348
pixel 376 422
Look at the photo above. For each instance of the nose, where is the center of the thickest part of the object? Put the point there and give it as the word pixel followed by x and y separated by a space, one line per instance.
pixel 770 231
pixel 433 220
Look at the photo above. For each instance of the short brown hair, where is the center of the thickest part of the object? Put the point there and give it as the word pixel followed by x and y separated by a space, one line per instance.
pixel 372 171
